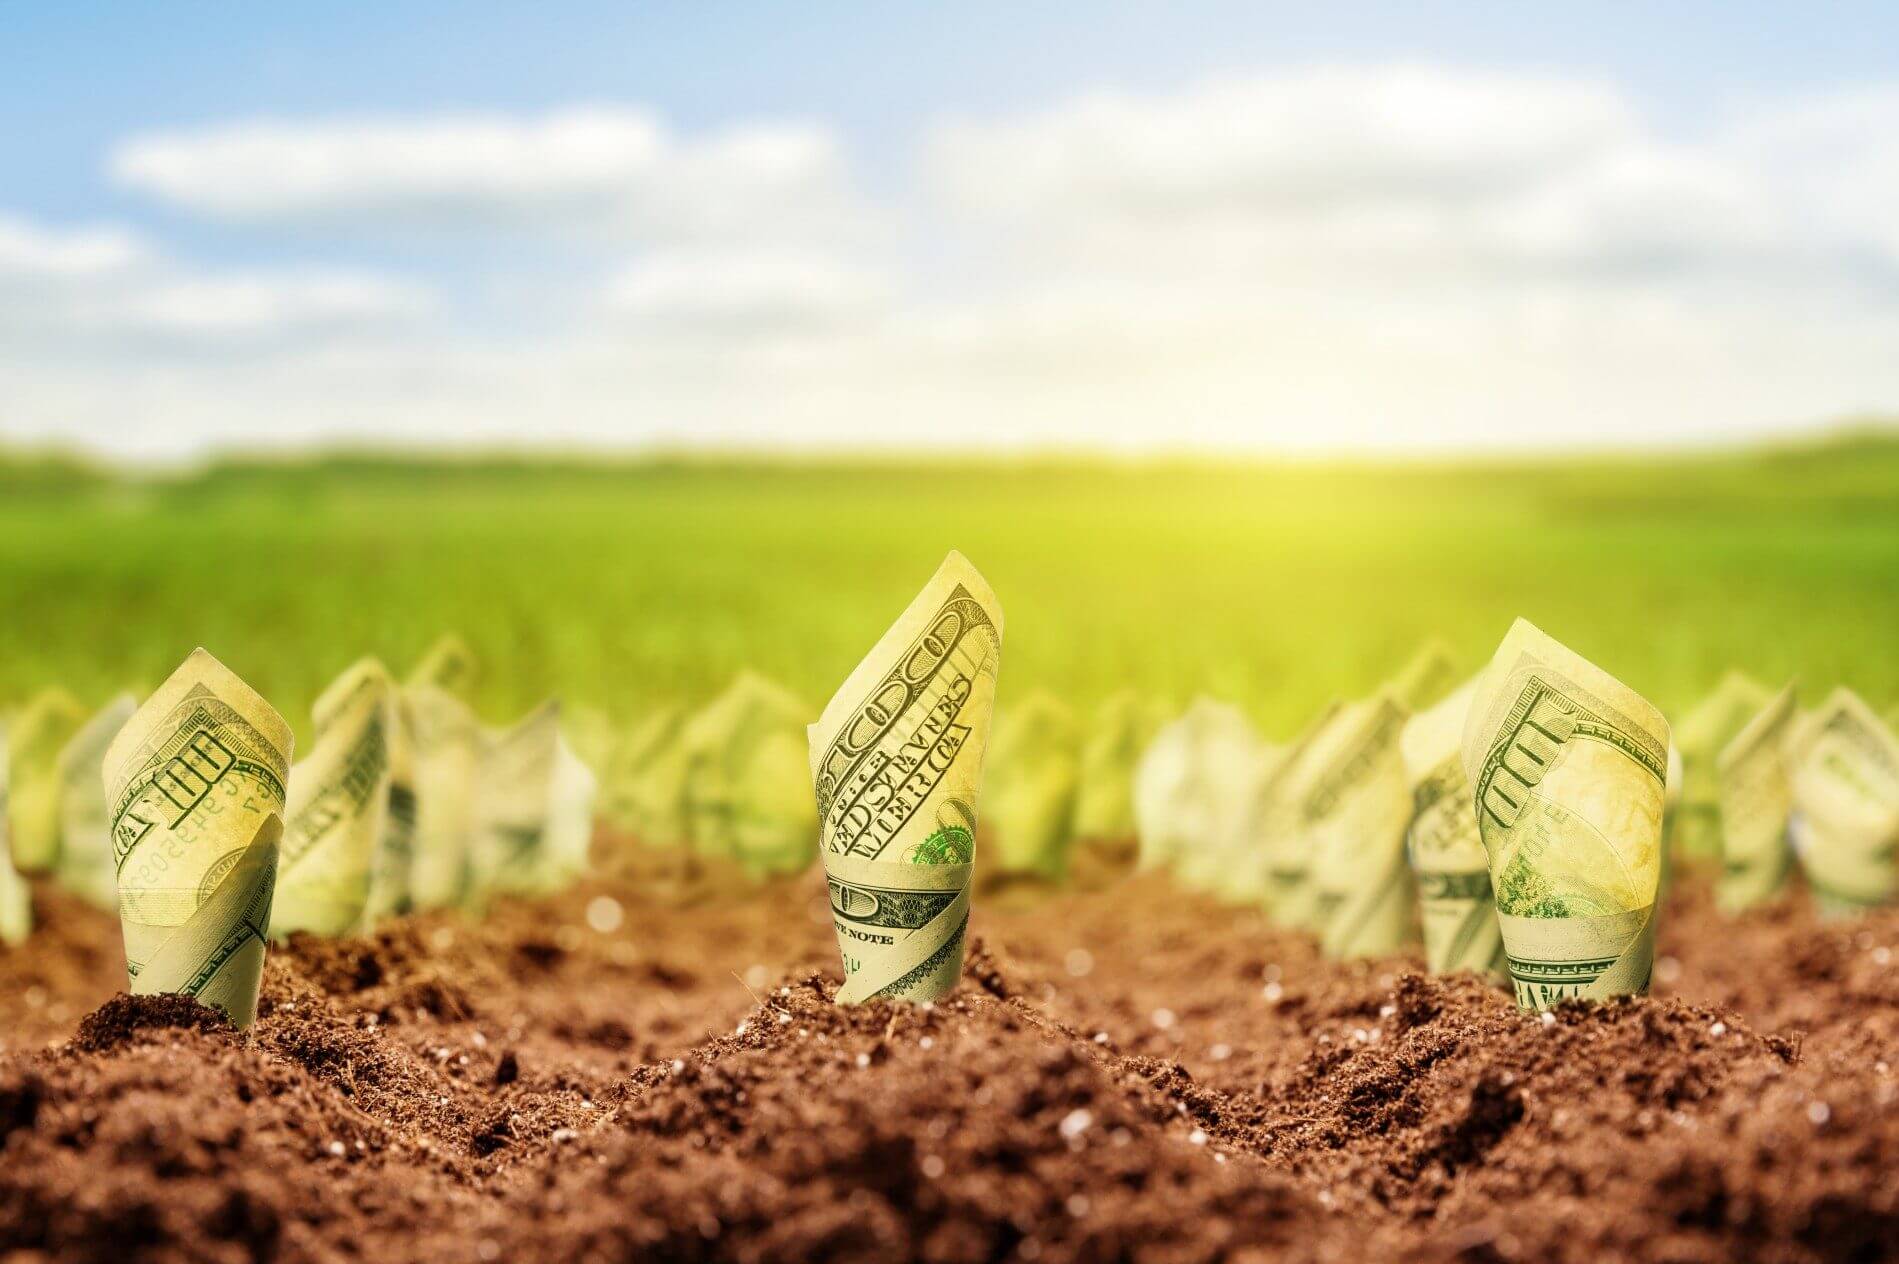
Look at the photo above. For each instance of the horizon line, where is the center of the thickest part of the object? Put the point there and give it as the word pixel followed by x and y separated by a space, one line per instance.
pixel 87 458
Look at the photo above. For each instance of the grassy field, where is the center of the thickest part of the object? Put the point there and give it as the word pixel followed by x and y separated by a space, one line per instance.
pixel 1277 585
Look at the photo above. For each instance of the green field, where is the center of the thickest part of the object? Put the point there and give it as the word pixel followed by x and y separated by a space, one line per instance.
pixel 1274 584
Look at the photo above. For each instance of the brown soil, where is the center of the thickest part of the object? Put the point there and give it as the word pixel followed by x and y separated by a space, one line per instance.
pixel 1127 1073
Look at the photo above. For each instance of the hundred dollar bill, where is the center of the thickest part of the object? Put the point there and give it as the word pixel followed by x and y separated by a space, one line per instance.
pixel 85 832
pixel 1353 819
pixel 1704 732
pixel 746 779
pixel 39 732
pixel 338 805
pixel 514 779
pixel 449 665
pixel 1266 820
pixel 568 843
pixel 645 792
pixel 1845 827
pixel 1233 760
pixel 589 733
pixel 1117 733
pixel 446 750
pixel 1756 799
pixel 1568 767
pixel 1798 729
pixel 1429 675
pixel 195 781
pixel 16 902
pixel 1030 798
pixel 1106 845
pixel 897 762
pixel 1237 869
pixel 1290 898
pixel 393 855
pixel 1446 852
pixel 1190 792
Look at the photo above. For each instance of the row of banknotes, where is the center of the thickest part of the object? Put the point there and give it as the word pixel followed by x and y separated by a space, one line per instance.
pixel 1518 822
pixel 1521 822
pixel 187 815
pixel 1254 821
pixel 729 780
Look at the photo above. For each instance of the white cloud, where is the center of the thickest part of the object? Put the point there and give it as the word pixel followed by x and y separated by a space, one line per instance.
pixel 1323 138
pixel 1349 257
pixel 28 250
pixel 1830 166
pixel 744 291
pixel 63 288
pixel 239 305
pixel 1464 174
pixel 1322 374
pixel 616 169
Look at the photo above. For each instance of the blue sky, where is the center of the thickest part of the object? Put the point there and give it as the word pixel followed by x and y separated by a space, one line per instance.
pixel 1080 225
pixel 82 75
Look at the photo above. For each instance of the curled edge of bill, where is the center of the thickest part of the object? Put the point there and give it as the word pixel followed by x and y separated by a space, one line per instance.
pixel 926 962
pixel 955 568
pixel 271 725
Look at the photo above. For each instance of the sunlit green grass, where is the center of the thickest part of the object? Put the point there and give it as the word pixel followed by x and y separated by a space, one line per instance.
pixel 1278 585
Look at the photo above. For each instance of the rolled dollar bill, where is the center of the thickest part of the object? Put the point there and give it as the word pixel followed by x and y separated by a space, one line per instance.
pixel 1191 790
pixel 568 843
pixel 1291 900
pixel 85 832
pixel 1798 730
pixel 1029 801
pixel 16 904
pixel 646 786
pixel 1704 732
pixel 1117 733
pixel 1845 829
pixel 1445 850
pixel 196 784
pixel 393 858
pixel 590 735
pixel 337 809
pixel 1239 865
pixel 897 763
pixel 449 665
pixel 1756 800
pixel 513 794
pixel 1430 674
pixel 16 901
pixel 1568 768
pixel 38 733
pixel 1262 863
pixel 446 751
pixel 1365 902
pixel 746 779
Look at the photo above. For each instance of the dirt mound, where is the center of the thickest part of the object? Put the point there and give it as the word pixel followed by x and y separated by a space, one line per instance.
pixel 121 1020
pixel 1125 1074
